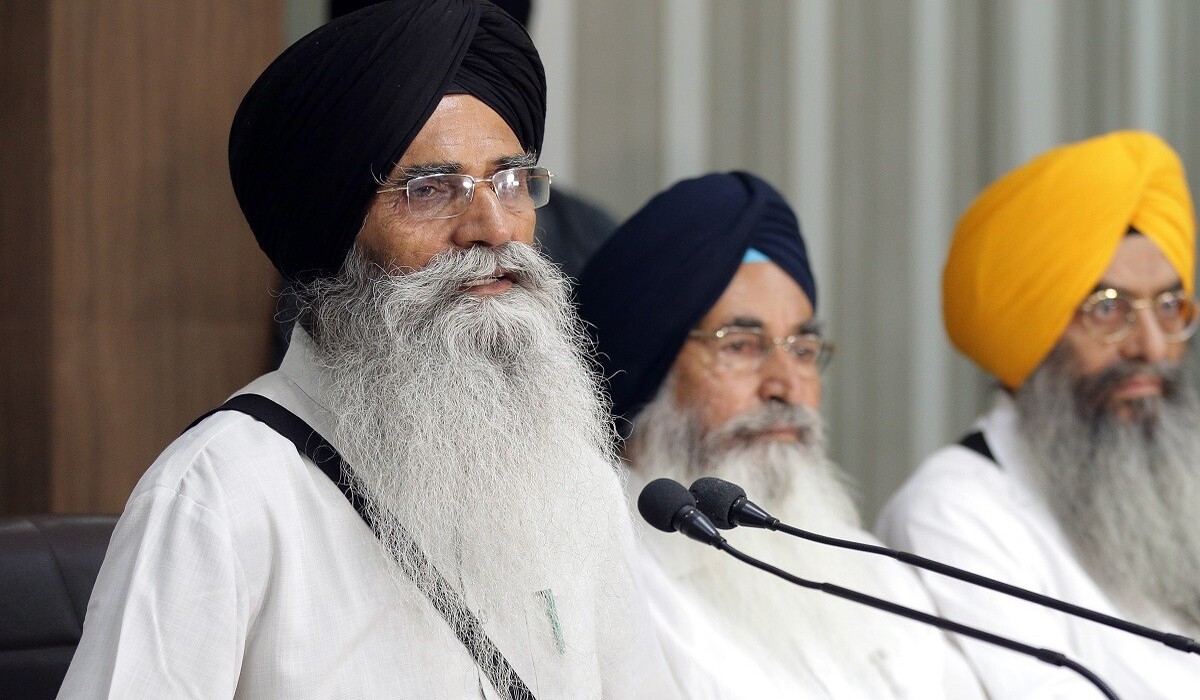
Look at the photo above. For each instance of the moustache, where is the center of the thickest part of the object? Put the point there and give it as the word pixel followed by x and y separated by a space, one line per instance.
pixel 450 272
pixel 1095 392
pixel 747 427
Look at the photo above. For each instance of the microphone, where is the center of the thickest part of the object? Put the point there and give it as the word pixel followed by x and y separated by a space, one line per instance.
pixel 667 505
pixel 726 505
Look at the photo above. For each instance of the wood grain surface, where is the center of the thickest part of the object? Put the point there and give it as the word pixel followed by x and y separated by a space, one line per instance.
pixel 148 301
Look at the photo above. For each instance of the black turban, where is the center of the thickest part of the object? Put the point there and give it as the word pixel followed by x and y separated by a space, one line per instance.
pixel 339 108
pixel 662 271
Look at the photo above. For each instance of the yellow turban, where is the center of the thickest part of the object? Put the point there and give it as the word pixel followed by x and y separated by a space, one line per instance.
pixel 1032 246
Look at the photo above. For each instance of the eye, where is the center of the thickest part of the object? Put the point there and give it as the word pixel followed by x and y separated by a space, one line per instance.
pixel 805 353
pixel 512 183
pixel 1174 311
pixel 740 344
pixel 807 350
pixel 1169 305
pixel 425 189
pixel 516 176
pixel 1108 308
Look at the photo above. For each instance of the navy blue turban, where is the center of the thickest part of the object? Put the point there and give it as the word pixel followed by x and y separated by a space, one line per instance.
pixel 339 108
pixel 665 267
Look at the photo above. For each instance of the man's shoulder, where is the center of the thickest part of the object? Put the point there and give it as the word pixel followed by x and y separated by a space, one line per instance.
pixel 952 473
pixel 954 490
pixel 227 454
pixel 958 461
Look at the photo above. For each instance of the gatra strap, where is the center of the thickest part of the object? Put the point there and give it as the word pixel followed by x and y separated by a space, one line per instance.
pixel 977 443
pixel 458 616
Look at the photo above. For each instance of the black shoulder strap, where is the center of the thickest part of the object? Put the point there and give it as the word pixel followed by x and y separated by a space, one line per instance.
pixel 976 442
pixel 458 616
pixel 308 441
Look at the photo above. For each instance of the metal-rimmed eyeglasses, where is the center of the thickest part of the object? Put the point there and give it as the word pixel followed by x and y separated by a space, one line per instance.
pixel 744 350
pixel 1110 315
pixel 447 195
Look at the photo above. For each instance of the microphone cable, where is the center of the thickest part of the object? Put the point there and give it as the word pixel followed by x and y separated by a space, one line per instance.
pixel 668 506
pixel 725 503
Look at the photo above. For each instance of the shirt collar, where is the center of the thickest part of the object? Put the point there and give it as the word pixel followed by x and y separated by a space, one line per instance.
pixel 302 370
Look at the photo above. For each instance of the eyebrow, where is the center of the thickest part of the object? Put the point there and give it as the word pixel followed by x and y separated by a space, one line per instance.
pixel 408 172
pixel 751 323
pixel 1177 287
pixel 744 322
pixel 520 160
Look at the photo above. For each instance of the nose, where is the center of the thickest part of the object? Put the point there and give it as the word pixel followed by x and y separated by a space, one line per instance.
pixel 485 222
pixel 782 379
pixel 1147 342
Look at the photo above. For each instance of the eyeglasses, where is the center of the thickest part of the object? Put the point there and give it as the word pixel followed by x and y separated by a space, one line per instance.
pixel 1110 314
pixel 744 350
pixel 448 195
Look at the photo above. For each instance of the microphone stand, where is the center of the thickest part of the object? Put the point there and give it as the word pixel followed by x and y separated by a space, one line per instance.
pixel 1046 655
pixel 1175 641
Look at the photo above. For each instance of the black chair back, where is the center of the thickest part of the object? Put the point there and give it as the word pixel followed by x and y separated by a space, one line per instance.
pixel 48 565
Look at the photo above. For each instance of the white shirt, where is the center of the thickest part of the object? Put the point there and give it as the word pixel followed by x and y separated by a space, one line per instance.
pixel 987 517
pixel 712 664
pixel 238 569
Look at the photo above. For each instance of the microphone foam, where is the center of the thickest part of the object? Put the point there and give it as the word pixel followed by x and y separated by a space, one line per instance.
pixel 715 498
pixel 660 500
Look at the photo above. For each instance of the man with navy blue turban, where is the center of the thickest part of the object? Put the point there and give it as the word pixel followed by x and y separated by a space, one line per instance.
pixel 394 512
pixel 703 309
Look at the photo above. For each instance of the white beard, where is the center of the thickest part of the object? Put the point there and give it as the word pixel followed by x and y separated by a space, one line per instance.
pixel 475 425
pixel 1125 490
pixel 797 484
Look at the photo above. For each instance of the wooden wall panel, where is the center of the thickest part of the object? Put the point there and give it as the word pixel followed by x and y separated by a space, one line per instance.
pixel 24 258
pixel 159 300
pixel 167 308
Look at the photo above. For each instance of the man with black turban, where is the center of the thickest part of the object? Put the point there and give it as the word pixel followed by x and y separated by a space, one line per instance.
pixel 396 512
pixel 1070 280
pixel 703 307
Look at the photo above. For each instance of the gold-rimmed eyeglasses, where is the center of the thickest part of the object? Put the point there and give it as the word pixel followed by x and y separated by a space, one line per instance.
pixel 1110 315
pixel 447 195
pixel 744 350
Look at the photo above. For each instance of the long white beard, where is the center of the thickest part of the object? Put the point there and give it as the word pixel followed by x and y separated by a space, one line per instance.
pixel 475 425
pixel 1125 490
pixel 798 485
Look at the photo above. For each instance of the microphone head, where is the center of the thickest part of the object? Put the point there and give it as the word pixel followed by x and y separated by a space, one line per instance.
pixel 716 498
pixel 661 500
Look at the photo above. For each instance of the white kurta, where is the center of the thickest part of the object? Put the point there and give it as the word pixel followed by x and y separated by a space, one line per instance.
pixel 711 663
pixel 965 510
pixel 238 569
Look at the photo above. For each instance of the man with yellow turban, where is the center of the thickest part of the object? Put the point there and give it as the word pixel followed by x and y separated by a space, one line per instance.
pixel 1071 281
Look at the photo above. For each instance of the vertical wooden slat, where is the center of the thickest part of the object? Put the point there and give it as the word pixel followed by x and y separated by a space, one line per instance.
pixel 165 308
pixel 24 258
pixel 144 298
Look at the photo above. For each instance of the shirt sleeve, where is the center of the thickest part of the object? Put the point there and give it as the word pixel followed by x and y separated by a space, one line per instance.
pixel 962 521
pixel 165 618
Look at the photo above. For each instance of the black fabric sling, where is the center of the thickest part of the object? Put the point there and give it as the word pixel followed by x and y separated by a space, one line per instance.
pixel 976 442
pixel 447 601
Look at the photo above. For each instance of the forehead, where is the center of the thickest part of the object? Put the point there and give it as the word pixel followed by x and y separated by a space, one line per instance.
pixel 764 292
pixel 462 129
pixel 1139 267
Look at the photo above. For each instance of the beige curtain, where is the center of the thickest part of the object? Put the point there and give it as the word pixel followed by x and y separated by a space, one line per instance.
pixel 880 119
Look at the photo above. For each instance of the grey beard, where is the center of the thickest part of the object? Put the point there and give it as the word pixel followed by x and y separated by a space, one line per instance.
pixel 796 483
pixel 476 425
pixel 1125 490
pixel 789 479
